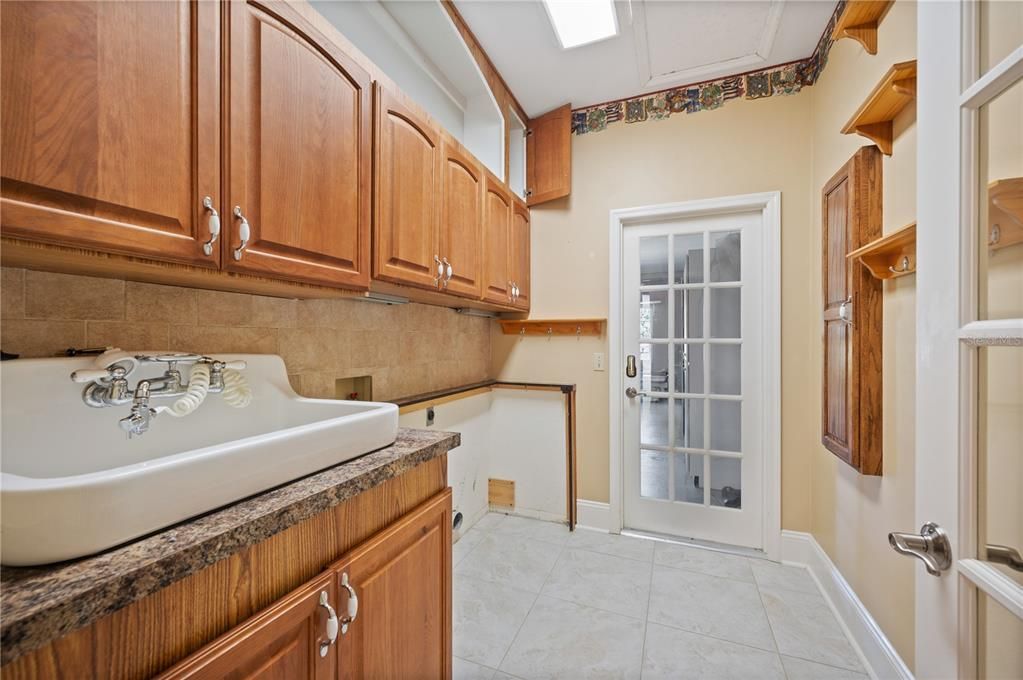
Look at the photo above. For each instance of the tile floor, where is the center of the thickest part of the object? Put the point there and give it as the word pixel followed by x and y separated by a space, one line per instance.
pixel 533 601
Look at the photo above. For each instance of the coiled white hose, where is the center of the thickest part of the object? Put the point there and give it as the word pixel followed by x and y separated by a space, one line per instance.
pixel 237 392
pixel 198 387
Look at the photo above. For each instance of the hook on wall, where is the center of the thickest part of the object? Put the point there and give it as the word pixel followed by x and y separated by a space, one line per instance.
pixel 904 267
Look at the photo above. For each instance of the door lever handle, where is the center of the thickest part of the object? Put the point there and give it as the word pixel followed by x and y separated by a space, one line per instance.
pixel 931 546
pixel 1003 554
pixel 631 392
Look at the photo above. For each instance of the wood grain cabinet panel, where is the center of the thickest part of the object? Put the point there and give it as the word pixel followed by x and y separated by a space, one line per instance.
pixel 459 236
pixel 497 202
pixel 402 579
pixel 408 175
pixel 110 132
pixel 549 156
pixel 282 643
pixel 519 254
pixel 300 151
pixel 851 403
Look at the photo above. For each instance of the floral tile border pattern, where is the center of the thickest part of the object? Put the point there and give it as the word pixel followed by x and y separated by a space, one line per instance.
pixel 775 81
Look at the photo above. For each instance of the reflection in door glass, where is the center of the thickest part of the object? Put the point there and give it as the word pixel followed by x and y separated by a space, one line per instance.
pixel 725 369
pixel 725 256
pixel 653 474
pixel 653 421
pixel 653 367
pixel 688 258
pixel 725 482
pixel 689 368
pixel 689 477
pixel 653 314
pixel 725 425
pixel 653 260
pixel 689 423
pixel 688 314
pixel 725 313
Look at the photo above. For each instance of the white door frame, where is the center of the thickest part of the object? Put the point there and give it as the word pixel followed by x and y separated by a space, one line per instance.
pixel 769 205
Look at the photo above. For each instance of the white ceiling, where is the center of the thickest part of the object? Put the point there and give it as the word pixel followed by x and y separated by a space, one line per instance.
pixel 661 44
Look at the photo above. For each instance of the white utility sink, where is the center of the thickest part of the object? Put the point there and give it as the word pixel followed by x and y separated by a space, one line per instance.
pixel 73 483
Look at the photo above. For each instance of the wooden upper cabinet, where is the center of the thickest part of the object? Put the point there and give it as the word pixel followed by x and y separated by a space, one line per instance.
pixel 110 125
pixel 549 156
pixel 408 185
pixel 402 579
pixel 281 643
pixel 299 152
pixel 851 405
pixel 519 254
pixel 497 202
pixel 460 231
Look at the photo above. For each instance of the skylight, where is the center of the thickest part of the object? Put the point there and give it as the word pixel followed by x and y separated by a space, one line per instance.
pixel 580 22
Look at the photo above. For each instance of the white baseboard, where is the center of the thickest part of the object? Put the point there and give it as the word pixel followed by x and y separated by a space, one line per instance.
pixel 593 515
pixel 876 651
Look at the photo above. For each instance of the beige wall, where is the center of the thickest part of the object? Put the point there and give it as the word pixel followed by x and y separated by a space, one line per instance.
pixel 744 147
pixel 408 349
pixel 852 514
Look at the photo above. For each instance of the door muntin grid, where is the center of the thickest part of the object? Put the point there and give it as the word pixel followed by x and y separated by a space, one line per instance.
pixel 690 351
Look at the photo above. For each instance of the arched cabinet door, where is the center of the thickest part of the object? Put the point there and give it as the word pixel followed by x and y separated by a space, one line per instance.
pixel 519 264
pixel 460 227
pixel 496 242
pixel 299 154
pixel 111 126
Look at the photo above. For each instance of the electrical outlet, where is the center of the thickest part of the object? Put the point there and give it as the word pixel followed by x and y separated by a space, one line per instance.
pixel 598 361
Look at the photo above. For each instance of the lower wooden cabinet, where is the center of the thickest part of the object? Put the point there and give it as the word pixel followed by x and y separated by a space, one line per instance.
pixel 382 611
pixel 402 579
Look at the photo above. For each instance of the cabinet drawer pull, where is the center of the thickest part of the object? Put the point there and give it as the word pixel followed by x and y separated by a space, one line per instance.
pixel 440 271
pixel 244 233
pixel 353 604
pixel 332 624
pixel 450 271
pixel 511 291
pixel 214 225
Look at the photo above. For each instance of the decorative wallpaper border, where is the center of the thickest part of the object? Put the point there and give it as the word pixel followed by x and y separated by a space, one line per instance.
pixel 712 94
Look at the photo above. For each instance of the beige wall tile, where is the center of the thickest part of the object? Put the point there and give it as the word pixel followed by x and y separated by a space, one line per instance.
pixel 420 347
pixel 129 335
pixel 224 340
pixel 152 302
pixel 272 312
pixel 63 296
pixel 373 348
pixel 308 349
pixel 318 385
pixel 12 293
pixel 319 313
pixel 32 338
pixel 224 309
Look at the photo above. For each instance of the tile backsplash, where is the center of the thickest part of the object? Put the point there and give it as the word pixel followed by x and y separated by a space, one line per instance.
pixel 408 349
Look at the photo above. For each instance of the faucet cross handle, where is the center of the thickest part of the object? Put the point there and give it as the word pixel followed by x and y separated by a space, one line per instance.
pixel 137 422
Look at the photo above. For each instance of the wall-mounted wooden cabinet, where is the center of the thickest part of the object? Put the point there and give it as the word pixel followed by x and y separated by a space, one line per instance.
pixel 519 255
pixel 497 201
pixel 460 234
pixel 851 400
pixel 299 152
pixel 549 156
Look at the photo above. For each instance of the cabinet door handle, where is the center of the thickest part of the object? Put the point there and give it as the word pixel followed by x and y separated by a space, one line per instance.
pixel 214 226
pixel 440 271
pixel 332 624
pixel 244 233
pixel 511 291
pixel 450 270
pixel 353 604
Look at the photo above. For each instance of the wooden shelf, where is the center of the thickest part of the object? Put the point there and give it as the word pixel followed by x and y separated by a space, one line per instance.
pixel 860 20
pixel 552 327
pixel 895 92
pixel 1005 212
pixel 891 256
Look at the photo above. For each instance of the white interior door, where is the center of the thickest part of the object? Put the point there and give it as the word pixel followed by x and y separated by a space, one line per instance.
pixel 969 398
pixel 692 301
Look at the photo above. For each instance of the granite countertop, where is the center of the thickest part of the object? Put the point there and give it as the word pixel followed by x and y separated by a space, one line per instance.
pixel 40 604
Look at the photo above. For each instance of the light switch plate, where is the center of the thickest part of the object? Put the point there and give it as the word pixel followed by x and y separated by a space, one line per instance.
pixel 598 361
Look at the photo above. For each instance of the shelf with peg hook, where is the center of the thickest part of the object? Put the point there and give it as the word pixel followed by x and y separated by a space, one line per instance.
pixel 891 256
pixel 550 328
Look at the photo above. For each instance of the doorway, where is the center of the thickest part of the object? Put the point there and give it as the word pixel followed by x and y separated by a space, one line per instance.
pixel 694 330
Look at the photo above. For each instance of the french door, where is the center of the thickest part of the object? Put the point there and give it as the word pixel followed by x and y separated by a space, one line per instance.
pixel 693 406
pixel 969 410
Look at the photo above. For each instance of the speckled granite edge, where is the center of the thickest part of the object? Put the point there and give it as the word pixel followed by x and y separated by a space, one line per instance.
pixel 41 604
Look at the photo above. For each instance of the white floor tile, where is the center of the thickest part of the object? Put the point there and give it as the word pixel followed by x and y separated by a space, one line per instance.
pixel 612 544
pixel 523 527
pixel 720 607
pixel 509 560
pixel 465 544
pixel 489 521
pixel 800 669
pixel 485 618
pixel 673 654
pixel 774 575
pixel 602 581
pixel 805 627
pixel 565 640
pixel 467 670
pixel 703 561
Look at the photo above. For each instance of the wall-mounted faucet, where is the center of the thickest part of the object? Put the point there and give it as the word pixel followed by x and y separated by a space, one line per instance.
pixel 107 385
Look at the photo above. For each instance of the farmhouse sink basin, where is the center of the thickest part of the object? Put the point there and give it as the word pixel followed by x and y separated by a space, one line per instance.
pixel 72 483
